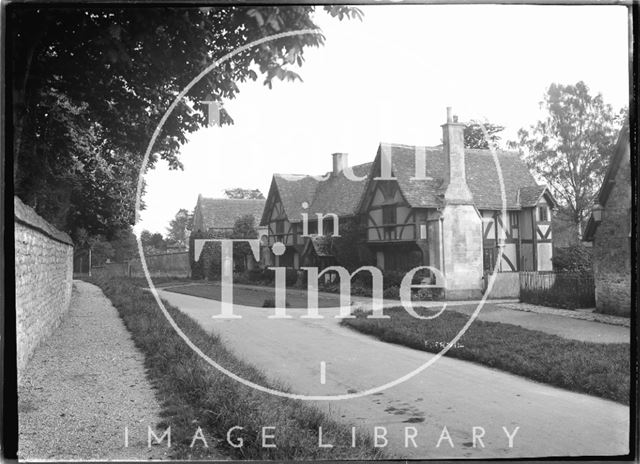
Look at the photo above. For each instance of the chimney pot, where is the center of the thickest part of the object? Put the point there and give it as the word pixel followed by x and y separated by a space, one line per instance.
pixel 449 112
pixel 340 161
pixel 455 118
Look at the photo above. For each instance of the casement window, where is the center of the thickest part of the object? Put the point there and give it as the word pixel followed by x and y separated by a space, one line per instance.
pixel 389 214
pixel 389 221
pixel 280 229
pixel 543 213
pixel 513 219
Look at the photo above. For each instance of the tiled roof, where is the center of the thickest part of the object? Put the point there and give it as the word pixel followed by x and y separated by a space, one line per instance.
pixel 481 172
pixel 337 194
pixel 529 196
pixel 222 213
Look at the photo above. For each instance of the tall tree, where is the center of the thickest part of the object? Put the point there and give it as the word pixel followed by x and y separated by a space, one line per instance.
pixel 571 147
pixel 178 227
pixel 481 135
pixel 244 227
pixel 239 193
pixel 90 85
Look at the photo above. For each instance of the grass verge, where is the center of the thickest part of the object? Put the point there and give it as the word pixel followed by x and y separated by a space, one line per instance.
pixel 194 394
pixel 595 368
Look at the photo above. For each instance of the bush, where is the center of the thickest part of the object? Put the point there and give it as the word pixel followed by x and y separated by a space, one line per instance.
pixel 428 294
pixel 392 293
pixel 392 279
pixel 576 258
pixel 271 303
pixel 291 277
pixel 568 290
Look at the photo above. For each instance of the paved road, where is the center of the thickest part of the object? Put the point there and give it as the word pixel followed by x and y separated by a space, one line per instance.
pixel 493 311
pixel 451 393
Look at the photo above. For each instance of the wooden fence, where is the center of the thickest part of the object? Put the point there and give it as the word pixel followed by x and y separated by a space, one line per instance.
pixel 558 289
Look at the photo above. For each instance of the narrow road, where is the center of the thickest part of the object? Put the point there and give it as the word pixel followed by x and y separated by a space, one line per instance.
pixel 451 393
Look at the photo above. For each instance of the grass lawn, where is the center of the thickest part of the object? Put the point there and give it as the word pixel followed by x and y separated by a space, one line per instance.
pixel 594 368
pixel 253 296
pixel 194 394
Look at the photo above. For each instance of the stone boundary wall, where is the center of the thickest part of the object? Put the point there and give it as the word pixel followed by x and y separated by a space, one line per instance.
pixel 506 285
pixel 43 279
pixel 163 265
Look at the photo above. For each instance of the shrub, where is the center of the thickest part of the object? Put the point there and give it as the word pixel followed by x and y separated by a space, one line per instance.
pixel 392 279
pixel 575 258
pixel 291 277
pixel 428 294
pixel 271 303
pixel 392 293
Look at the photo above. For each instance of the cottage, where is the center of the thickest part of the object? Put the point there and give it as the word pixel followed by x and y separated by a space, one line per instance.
pixel 220 214
pixel 609 228
pixel 436 206
pixel 216 217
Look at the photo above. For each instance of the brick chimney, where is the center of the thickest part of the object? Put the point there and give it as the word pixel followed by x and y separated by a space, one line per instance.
pixel 340 161
pixel 457 190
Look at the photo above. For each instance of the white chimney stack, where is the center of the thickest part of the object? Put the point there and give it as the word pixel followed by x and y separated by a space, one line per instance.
pixel 457 190
pixel 340 161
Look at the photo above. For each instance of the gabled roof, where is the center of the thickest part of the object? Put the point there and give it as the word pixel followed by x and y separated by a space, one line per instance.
pixel 609 180
pixel 222 213
pixel 481 172
pixel 342 196
pixel 336 194
pixel 530 196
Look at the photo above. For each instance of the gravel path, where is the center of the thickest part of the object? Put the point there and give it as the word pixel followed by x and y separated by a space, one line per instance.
pixel 84 385
pixel 583 314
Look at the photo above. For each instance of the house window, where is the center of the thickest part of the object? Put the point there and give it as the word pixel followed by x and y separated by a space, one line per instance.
pixel 543 214
pixel 279 229
pixel 388 215
pixel 513 219
pixel 389 221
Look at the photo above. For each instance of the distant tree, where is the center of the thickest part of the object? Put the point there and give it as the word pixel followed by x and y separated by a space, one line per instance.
pixel 177 231
pixel 481 135
pixel 244 194
pixel 125 245
pixel 152 243
pixel 244 227
pixel 145 237
pixel 102 251
pixel 572 146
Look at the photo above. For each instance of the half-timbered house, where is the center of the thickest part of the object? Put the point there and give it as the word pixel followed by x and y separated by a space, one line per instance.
pixel 455 209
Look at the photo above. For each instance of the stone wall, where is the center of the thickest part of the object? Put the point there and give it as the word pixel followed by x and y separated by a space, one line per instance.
pixel 163 265
pixel 612 247
pixel 462 242
pixel 505 285
pixel 43 279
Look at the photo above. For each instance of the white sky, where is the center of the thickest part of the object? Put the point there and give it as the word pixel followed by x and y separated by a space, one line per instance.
pixel 390 78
